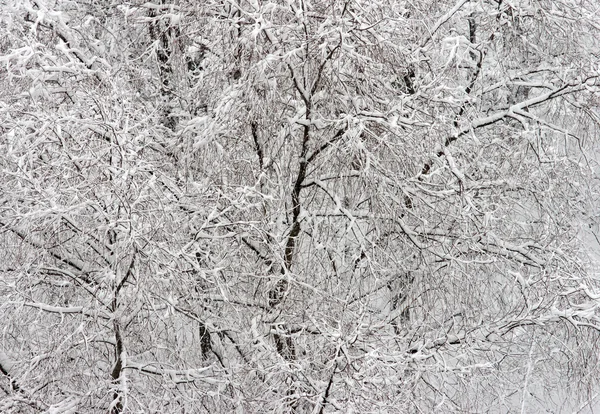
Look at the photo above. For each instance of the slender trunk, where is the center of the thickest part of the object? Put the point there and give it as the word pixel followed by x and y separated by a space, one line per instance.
pixel 117 405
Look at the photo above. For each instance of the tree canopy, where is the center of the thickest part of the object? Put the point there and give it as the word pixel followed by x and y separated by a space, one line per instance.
pixel 302 206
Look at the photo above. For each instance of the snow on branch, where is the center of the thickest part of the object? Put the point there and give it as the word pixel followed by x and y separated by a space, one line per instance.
pixel 65 309
pixel 443 20
pixel 179 376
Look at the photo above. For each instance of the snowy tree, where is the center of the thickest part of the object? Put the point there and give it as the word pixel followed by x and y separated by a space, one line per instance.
pixel 298 206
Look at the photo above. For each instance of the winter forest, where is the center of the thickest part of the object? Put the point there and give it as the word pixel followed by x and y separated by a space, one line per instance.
pixel 299 206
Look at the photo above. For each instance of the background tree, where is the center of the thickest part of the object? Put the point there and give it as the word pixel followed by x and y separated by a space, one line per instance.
pixel 299 206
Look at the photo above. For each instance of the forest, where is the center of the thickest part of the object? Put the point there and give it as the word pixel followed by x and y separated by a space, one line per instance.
pixel 299 206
